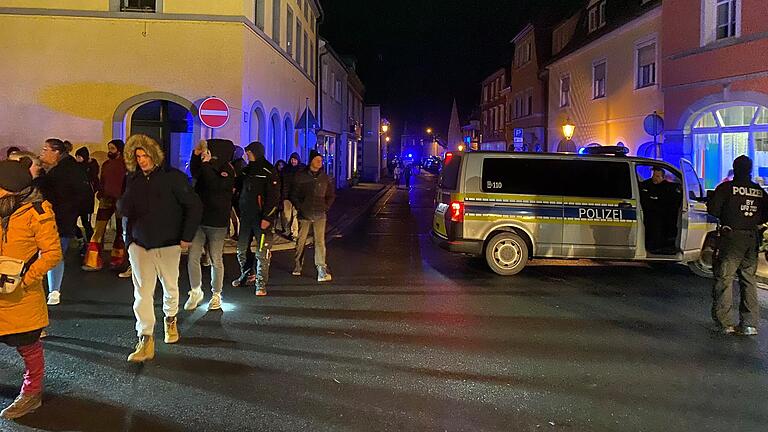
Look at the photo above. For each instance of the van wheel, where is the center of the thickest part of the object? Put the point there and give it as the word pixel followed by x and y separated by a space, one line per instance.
pixel 701 269
pixel 506 254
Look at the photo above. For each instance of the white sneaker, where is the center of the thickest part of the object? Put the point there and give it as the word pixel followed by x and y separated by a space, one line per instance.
pixel 215 303
pixel 54 298
pixel 323 275
pixel 195 297
pixel 126 274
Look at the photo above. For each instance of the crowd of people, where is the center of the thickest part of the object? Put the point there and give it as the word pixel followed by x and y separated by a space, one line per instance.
pixel 159 212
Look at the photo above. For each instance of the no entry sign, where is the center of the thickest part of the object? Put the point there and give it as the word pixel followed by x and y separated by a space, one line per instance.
pixel 214 112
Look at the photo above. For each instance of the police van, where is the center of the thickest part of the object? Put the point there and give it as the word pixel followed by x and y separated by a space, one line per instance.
pixel 511 207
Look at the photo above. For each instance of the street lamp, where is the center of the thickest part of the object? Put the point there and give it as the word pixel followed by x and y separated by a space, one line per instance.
pixel 568 129
pixel 429 131
pixel 384 126
pixel 387 139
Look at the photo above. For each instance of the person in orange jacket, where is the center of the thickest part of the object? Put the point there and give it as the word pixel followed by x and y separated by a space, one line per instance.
pixel 28 232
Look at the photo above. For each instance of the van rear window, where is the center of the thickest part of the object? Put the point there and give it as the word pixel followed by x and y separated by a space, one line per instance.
pixel 558 177
pixel 449 178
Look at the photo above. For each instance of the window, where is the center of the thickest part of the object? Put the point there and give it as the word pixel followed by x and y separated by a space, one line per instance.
pixel 298 42
pixel 565 91
pixel 597 16
pixel 523 53
pixel 572 178
pixel 289 32
pixel 312 60
pixel 646 65
pixel 449 178
pixel 276 20
pixel 306 52
pixel 259 15
pixel 529 105
pixel 338 91
pixel 138 6
pixel 726 18
pixel 598 80
pixel 325 80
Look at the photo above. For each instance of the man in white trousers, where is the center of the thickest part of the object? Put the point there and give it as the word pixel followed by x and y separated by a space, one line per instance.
pixel 161 213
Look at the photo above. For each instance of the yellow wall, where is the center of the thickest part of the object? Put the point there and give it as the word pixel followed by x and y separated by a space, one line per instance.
pixel 207 7
pixel 618 116
pixel 92 5
pixel 67 75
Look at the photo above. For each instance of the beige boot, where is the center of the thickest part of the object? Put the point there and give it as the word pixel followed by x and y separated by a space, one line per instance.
pixel 23 405
pixel 145 350
pixel 171 330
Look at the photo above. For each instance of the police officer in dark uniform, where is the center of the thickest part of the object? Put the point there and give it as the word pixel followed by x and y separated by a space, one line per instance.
pixel 741 205
pixel 660 200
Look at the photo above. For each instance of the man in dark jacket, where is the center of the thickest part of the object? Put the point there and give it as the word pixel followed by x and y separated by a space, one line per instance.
pixel 110 189
pixel 259 196
pixel 313 194
pixel 65 185
pixel 214 183
pixel 161 213
pixel 741 205
pixel 290 217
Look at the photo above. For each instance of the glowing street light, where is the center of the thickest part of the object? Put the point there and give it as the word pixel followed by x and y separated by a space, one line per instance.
pixel 429 131
pixel 387 139
pixel 568 129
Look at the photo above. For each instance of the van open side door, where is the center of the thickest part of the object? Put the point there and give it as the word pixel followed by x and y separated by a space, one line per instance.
pixel 696 223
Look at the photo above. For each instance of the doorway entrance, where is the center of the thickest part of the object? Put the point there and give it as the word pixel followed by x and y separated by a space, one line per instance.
pixel 171 125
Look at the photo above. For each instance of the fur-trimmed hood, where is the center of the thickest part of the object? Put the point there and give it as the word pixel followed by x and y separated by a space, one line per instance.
pixel 146 143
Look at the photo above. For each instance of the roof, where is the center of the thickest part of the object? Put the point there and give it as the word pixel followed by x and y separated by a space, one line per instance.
pixel 618 13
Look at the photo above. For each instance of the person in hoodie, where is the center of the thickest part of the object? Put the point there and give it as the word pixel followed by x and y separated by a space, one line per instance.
pixel 741 205
pixel 27 233
pixel 313 194
pixel 110 189
pixel 259 198
pixel 65 185
pixel 161 213
pixel 238 163
pixel 214 183
pixel 91 167
pixel 289 214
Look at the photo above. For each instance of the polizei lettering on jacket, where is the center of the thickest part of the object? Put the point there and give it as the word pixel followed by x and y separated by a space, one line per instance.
pixel 746 191
pixel 600 213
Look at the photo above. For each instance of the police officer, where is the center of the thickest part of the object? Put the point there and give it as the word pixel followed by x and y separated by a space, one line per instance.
pixel 741 205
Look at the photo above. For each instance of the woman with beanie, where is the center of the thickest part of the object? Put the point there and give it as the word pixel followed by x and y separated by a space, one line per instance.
pixel 65 185
pixel 27 234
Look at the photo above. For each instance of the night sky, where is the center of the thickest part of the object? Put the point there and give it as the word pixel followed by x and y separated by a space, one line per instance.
pixel 415 56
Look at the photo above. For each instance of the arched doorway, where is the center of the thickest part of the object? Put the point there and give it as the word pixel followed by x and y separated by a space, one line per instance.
pixel 170 124
pixel 725 131
pixel 288 139
pixel 258 126
pixel 274 148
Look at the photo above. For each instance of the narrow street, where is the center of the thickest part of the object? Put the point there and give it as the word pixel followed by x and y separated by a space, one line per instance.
pixel 407 337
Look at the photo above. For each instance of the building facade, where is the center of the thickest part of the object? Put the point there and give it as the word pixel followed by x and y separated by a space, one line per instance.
pixel 716 85
pixel 605 77
pixel 119 67
pixel 492 111
pixel 527 102
pixel 333 112
pixel 374 150
pixel 354 137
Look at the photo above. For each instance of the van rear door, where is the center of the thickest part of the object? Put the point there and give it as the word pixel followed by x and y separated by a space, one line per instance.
pixel 447 185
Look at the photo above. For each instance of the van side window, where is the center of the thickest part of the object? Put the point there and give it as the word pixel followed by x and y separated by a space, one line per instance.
pixel 449 178
pixel 597 179
pixel 523 176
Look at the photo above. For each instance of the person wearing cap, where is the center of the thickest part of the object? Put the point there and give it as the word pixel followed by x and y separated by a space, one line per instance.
pixel 289 214
pixel 214 183
pixel 741 206
pixel 161 213
pixel 27 233
pixel 110 189
pixel 259 198
pixel 313 194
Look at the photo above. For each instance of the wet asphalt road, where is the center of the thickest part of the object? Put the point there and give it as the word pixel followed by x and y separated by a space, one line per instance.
pixel 407 337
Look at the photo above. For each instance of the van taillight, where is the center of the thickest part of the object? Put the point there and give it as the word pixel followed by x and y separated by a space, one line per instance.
pixel 457 211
